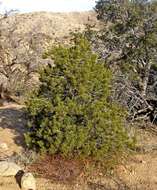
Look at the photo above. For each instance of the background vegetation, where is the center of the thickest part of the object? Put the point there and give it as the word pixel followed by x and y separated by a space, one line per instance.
pixel 128 44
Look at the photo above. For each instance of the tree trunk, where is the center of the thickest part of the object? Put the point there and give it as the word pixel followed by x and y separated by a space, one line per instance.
pixel 145 79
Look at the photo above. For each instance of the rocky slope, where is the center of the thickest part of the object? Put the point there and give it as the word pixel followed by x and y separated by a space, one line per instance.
pixel 24 38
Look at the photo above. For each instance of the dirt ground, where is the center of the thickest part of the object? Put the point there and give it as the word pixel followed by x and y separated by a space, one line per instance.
pixel 139 172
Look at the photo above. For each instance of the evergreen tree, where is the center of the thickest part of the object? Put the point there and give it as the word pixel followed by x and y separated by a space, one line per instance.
pixel 132 35
pixel 128 44
pixel 70 114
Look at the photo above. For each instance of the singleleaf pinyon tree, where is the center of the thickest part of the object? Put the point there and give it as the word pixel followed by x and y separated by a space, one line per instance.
pixel 70 114
pixel 129 41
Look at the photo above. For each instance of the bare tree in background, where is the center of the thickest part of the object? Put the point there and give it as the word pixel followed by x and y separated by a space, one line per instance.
pixel 20 58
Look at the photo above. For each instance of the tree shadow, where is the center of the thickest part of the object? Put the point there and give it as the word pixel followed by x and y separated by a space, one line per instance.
pixel 14 118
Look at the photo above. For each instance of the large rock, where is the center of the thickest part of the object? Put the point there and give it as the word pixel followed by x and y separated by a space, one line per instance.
pixel 28 182
pixel 8 169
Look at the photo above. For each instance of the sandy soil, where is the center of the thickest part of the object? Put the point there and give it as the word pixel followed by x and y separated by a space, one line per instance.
pixel 12 128
pixel 139 172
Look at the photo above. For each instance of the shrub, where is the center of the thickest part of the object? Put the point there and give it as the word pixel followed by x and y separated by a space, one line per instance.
pixel 70 113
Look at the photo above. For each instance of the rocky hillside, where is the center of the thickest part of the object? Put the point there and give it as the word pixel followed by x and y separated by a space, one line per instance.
pixel 48 23
pixel 24 38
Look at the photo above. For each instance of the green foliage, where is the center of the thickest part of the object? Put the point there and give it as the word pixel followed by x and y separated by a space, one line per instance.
pixel 70 113
pixel 131 33
pixel 110 10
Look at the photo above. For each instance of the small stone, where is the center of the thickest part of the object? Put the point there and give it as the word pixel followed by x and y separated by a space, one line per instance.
pixel 100 174
pixel 28 182
pixel 8 169
pixel 142 161
pixel 3 146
